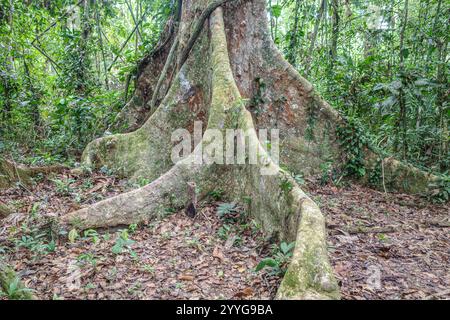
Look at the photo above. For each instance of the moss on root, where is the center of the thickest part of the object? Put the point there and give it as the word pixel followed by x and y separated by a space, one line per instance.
pixel 12 173
pixel 398 176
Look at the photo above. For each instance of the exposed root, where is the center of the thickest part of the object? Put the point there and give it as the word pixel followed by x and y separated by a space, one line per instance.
pixel 150 202
pixel 277 201
pixel 400 176
pixel 11 173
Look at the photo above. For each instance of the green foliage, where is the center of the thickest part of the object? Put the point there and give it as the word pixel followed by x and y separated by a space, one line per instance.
pixel 35 240
pixel 92 234
pixel 132 227
pixel 281 256
pixel 63 186
pixel 394 90
pixel 122 242
pixel 62 70
pixel 352 140
pixel 441 189
pixel 73 235
pixel 216 194
pixel 15 290
pixel 299 178
pixel 224 232
pixel 286 185
pixel 87 259
pixel 143 182
pixel 276 10
pixel 225 209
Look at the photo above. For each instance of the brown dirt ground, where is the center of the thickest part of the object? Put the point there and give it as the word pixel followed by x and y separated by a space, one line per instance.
pixel 176 258
pixel 181 258
pixel 405 254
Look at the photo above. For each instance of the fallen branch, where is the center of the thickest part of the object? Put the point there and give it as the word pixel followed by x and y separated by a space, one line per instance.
pixel 387 229
pixel 439 223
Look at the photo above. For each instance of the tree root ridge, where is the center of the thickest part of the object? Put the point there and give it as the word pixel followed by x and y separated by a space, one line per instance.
pixel 289 213
pixel 11 173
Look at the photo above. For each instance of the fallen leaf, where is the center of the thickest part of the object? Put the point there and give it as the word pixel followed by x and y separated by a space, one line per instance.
pixel 186 277
pixel 217 253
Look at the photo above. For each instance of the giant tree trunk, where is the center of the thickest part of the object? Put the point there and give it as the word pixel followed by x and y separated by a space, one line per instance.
pixel 233 60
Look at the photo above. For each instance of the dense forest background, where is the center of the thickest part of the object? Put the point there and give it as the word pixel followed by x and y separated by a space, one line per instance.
pixel 68 67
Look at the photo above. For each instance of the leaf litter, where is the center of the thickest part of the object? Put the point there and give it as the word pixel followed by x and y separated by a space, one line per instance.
pixel 382 246
pixel 174 258
pixel 386 245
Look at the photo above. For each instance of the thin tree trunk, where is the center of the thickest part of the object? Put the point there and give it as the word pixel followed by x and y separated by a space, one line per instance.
pixel 293 42
pixel 441 80
pixel 441 99
pixel 402 98
pixel 314 36
pixel 335 31
pixel 102 48
pixel 34 105
pixel 8 84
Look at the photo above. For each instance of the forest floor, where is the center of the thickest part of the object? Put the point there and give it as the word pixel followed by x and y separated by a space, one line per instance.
pixel 174 258
pixel 385 245
pixel 382 246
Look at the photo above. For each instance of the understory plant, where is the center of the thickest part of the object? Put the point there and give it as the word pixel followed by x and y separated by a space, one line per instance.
pixel 279 261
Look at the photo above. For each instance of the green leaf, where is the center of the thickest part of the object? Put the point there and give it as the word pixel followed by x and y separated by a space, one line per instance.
pixel 276 10
pixel 267 262
pixel 405 53
pixel 286 248
pixel 73 234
